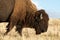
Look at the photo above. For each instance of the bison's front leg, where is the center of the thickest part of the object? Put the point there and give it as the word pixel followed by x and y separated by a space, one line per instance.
pixel 9 27
pixel 19 29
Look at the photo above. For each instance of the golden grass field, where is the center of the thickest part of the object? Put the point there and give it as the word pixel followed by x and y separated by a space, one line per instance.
pixel 53 32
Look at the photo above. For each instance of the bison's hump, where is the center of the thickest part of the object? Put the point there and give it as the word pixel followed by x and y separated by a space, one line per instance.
pixel 6 7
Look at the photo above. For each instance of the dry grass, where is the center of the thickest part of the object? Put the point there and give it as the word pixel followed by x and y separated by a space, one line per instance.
pixel 53 32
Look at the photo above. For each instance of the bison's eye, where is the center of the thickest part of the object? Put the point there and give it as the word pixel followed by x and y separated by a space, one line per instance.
pixel 41 16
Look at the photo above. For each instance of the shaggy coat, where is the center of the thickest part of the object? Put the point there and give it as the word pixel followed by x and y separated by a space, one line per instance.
pixel 20 9
pixel 38 21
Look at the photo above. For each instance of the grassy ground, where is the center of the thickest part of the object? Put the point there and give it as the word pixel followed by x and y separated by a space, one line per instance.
pixel 53 32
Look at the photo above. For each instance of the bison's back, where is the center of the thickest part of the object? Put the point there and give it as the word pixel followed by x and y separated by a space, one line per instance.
pixel 6 7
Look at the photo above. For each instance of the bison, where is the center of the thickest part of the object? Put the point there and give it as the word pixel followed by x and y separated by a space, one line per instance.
pixel 37 20
pixel 11 12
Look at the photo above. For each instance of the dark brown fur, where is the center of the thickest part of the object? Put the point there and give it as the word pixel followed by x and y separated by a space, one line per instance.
pixel 43 24
pixel 35 21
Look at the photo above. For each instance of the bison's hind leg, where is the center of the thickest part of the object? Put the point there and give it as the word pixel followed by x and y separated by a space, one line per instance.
pixel 9 27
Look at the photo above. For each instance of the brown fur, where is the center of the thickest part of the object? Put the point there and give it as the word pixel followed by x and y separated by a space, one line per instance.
pixel 35 21
pixel 20 9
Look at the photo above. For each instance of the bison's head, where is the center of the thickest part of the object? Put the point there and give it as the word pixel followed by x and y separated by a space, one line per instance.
pixel 41 21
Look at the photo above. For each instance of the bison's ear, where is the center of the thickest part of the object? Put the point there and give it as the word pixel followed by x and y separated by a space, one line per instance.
pixel 41 17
